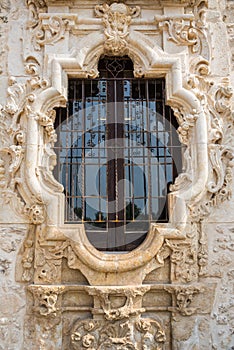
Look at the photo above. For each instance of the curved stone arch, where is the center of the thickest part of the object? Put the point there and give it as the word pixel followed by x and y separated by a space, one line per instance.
pixel 140 50
pixel 156 64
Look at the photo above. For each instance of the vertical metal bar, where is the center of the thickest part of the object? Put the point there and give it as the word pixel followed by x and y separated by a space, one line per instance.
pixel 66 167
pixel 99 155
pixel 119 126
pixel 148 152
pixel 71 120
pixel 111 174
pixel 165 147
pixel 83 201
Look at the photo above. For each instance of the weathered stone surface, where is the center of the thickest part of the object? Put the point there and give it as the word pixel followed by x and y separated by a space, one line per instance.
pixel 175 291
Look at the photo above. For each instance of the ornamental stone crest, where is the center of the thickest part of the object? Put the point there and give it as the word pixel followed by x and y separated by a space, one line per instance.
pixel 160 295
pixel 116 20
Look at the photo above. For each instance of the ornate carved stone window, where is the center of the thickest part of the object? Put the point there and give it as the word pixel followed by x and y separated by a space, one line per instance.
pixel 118 151
pixel 110 71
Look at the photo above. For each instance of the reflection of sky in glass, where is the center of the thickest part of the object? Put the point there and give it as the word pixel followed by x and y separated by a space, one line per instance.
pixel 88 175
pixel 147 153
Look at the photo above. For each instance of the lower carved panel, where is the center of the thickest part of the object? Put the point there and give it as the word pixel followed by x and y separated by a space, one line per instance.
pixel 149 317
pixel 132 334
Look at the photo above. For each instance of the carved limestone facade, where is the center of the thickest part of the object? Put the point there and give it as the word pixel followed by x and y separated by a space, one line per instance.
pixel 173 292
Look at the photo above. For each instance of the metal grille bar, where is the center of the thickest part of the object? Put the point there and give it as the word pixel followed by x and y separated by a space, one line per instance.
pixel 118 152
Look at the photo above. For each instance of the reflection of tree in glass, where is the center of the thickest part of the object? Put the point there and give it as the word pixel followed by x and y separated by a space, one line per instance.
pixel 99 216
pixel 132 212
pixel 99 221
pixel 78 212
pixel 129 211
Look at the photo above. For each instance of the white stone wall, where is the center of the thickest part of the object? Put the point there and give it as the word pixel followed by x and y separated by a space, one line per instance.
pixel 219 226
pixel 211 325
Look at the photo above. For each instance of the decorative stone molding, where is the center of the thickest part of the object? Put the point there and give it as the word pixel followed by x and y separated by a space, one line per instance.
pixel 49 31
pixel 178 250
pixel 181 30
pixel 190 116
pixel 220 151
pixel 143 333
pixel 52 302
pixel 13 143
pixel 202 255
pixel 130 307
pixel 86 258
pixel 35 8
pixel 183 256
pixel 36 214
pixel 187 29
pixel 48 261
pixel 27 256
pixel 35 100
pixel 183 298
pixel 2 174
pixel 186 122
pixel 46 299
pixel 14 114
pixel 116 20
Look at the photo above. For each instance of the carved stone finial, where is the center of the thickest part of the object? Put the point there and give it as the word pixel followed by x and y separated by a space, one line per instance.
pixel 116 20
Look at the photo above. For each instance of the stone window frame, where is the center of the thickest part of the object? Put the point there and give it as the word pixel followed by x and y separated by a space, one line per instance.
pixel 205 180
pixel 161 65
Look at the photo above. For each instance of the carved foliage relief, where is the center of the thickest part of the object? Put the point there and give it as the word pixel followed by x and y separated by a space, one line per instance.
pixel 116 20
pixel 139 334
pixel 14 116
pixel 118 327
pixel 217 103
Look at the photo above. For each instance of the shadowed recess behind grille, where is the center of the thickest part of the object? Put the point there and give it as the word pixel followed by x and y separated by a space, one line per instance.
pixel 117 153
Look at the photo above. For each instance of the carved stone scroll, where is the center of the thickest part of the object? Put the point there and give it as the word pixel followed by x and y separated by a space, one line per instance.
pixel 183 298
pixel 183 257
pixel 187 29
pixel 111 313
pixel 181 31
pixel 46 299
pixel 49 33
pixel 131 306
pixel 116 20
pixel 218 103
pixel 143 333
pixel 35 8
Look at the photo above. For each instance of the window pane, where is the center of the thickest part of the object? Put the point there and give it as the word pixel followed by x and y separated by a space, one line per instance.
pixel 118 151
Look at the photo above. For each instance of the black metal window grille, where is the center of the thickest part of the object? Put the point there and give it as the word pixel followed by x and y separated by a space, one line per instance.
pixel 117 153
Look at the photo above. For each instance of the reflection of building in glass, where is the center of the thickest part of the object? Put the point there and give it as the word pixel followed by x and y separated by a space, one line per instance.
pixel 118 152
